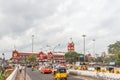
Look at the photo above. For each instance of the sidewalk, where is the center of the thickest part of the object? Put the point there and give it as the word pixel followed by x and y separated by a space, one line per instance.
pixel 21 76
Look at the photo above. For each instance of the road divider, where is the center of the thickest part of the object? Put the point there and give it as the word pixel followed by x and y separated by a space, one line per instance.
pixel 99 75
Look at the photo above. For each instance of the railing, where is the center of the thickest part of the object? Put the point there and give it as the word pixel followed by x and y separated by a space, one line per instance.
pixel 13 74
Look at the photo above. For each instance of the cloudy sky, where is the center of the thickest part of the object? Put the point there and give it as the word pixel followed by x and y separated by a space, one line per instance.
pixel 54 22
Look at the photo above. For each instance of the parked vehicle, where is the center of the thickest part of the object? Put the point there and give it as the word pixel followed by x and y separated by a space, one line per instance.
pixel 29 65
pixel 110 69
pixel 97 69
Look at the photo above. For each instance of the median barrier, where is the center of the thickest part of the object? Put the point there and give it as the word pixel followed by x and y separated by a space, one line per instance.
pixel 13 74
pixel 73 73
pixel 99 75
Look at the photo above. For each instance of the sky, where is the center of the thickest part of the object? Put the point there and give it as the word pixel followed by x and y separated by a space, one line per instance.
pixel 54 22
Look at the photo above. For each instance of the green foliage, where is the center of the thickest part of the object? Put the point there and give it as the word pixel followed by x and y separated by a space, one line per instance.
pixel 99 59
pixel 31 58
pixel 3 75
pixel 71 56
pixel 114 49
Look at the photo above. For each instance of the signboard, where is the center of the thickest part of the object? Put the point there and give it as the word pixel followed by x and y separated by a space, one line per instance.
pixel 112 63
pixel 81 58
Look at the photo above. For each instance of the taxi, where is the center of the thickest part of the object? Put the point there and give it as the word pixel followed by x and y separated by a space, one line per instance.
pixel 46 70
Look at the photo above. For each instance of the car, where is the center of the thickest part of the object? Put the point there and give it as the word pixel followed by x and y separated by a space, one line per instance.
pixel 29 65
pixel 46 70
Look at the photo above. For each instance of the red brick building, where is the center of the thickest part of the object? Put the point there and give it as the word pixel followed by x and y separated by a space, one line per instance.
pixel 16 56
pixel 70 46
pixel 41 56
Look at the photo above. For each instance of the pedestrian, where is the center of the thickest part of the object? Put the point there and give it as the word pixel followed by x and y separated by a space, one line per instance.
pixel 20 68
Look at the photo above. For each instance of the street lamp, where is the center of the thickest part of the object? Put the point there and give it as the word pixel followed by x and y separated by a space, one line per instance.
pixel 25 68
pixel 93 46
pixel 3 61
pixel 32 42
pixel 84 45
pixel 56 47
pixel 48 48
pixel 3 55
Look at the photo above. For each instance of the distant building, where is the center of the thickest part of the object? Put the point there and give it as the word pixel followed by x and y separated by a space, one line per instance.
pixel 103 54
pixel 70 46
pixel 107 55
pixel 40 56
pixel 56 57
pixel 16 56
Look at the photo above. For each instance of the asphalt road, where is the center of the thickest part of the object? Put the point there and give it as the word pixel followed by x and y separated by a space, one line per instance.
pixel 36 75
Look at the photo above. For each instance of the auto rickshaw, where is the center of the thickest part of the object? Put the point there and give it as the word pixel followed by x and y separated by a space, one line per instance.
pixel 33 66
pixel 60 73
pixel 109 69
pixel 97 69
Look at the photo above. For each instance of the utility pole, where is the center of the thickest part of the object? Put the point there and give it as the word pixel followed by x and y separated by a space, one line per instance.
pixel 56 47
pixel 93 46
pixel 25 68
pixel 84 45
pixel 32 43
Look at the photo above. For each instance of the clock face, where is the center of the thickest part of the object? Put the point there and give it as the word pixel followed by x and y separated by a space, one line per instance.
pixel 40 55
pixel 50 55
pixel 15 55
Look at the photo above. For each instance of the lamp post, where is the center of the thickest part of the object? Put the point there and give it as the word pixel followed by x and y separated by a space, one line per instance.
pixel 3 55
pixel 56 47
pixel 84 45
pixel 93 46
pixel 25 69
pixel 32 42
pixel 3 61
pixel 49 48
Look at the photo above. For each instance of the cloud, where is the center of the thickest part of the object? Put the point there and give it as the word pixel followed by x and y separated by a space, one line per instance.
pixel 56 21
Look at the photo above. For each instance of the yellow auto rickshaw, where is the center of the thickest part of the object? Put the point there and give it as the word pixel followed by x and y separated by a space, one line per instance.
pixel 97 69
pixel 60 73
pixel 110 69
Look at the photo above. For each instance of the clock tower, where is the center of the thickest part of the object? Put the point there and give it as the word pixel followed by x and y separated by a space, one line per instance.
pixel 70 45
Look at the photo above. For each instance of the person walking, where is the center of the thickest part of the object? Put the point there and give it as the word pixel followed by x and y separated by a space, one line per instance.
pixel 20 68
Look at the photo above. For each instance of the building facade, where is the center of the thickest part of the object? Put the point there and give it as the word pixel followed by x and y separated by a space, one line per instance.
pixel 70 46
pixel 40 56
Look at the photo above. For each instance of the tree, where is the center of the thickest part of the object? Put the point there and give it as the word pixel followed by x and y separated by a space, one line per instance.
pixel 115 49
pixel 31 58
pixel 71 56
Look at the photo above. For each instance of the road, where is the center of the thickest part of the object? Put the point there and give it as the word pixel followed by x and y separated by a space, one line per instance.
pixel 36 75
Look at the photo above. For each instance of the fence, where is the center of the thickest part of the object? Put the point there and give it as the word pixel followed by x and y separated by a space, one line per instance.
pixel 13 75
